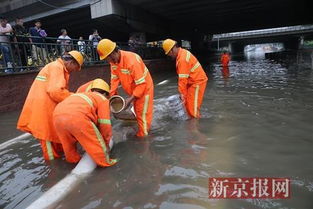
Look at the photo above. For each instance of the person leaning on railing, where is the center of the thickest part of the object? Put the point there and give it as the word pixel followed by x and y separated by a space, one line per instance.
pixel 65 41
pixel 81 45
pixel 5 31
pixel 39 52
pixel 20 37
pixel 94 38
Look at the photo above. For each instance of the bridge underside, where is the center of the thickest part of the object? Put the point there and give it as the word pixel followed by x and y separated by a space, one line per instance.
pixel 159 19
pixel 237 46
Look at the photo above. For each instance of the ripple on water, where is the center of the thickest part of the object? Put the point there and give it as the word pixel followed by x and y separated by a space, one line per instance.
pixel 254 123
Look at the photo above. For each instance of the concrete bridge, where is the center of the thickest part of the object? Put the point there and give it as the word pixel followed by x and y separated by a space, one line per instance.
pixel 181 19
pixel 291 37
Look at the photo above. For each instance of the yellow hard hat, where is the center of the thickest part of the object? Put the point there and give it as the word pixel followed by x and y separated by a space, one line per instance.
pixel 100 84
pixel 105 48
pixel 167 45
pixel 77 56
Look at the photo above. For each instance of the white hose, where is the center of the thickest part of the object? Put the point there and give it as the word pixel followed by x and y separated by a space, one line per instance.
pixel 56 193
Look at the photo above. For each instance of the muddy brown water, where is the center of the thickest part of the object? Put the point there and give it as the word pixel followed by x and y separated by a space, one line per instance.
pixel 256 122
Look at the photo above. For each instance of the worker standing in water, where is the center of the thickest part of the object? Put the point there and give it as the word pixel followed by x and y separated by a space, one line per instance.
pixel 192 79
pixel 129 69
pixel 85 118
pixel 48 89
pixel 225 58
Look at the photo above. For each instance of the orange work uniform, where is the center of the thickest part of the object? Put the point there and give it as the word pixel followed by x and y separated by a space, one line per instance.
pixel 85 117
pixel 225 72
pixel 85 87
pixel 48 89
pixel 225 60
pixel 192 81
pixel 136 80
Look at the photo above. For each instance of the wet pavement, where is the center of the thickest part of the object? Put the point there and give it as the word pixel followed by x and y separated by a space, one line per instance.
pixel 256 122
pixel 8 126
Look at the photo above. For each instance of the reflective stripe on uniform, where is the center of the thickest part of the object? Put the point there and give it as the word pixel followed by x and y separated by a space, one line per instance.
pixel 183 75
pixel 125 71
pixel 49 150
pixel 104 121
pixel 113 76
pixel 88 88
pixel 196 100
pixel 101 96
pixel 188 56
pixel 41 78
pixel 195 67
pixel 142 79
pixel 113 67
pixel 86 98
pixel 138 58
pixel 103 145
pixel 144 113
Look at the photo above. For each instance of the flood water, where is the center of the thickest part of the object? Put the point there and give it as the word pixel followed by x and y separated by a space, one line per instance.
pixel 256 122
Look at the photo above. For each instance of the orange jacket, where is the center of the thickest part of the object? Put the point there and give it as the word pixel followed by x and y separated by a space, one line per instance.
pixel 189 71
pixel 91 105
pixel 85 87
pixel 225 59
pixel 48 89
pixel 132 73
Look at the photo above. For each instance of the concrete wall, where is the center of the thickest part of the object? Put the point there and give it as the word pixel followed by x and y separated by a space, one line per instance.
pixel 14 88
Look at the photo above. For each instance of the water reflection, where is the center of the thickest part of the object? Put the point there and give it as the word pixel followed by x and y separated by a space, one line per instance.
pixel 257 51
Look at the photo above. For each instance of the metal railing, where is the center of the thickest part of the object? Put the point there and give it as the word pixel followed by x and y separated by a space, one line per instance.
pixel 23 55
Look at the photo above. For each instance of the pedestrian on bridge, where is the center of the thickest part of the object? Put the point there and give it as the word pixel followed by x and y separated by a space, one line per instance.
pixel 48 89
pixel 192 79
pixel 129 69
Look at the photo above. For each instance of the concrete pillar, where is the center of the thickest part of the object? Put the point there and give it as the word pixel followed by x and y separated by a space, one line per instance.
pixel 124 15
pixel 229 47
pixel 101 8
pixel 301 42
pixel 312 60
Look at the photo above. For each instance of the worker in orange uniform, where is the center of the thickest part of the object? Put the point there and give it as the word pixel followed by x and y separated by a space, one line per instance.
pixel 87 86
pixel 129 69
pixel 48 89
pixel 85 118
pixel 225 58
pixel 192 79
